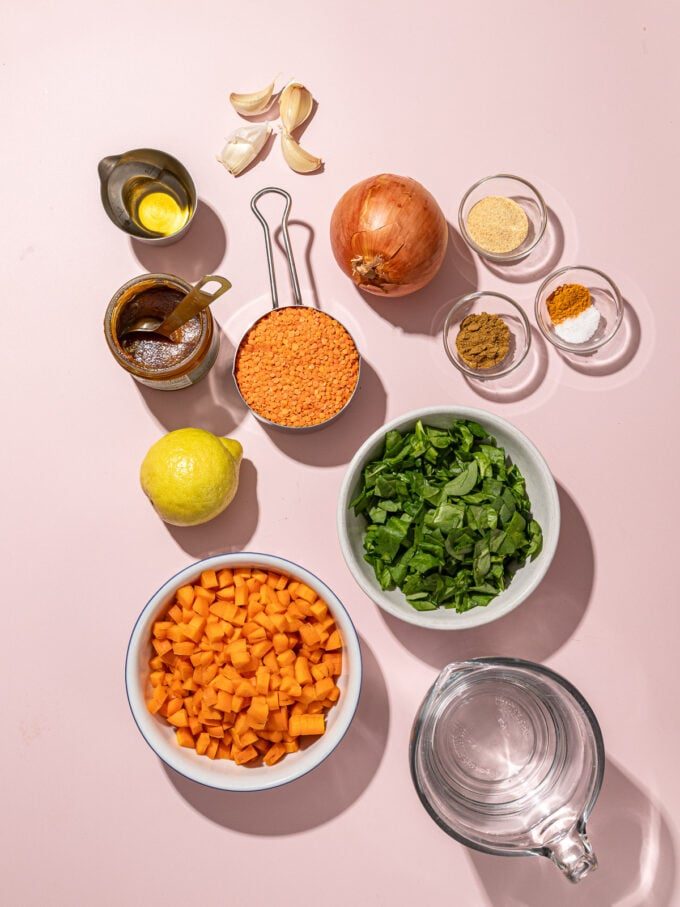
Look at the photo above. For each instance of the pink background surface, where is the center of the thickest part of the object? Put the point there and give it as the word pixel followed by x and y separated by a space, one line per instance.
pixel 574 96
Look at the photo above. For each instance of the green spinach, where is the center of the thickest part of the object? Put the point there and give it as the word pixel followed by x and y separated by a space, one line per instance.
pixel 448 517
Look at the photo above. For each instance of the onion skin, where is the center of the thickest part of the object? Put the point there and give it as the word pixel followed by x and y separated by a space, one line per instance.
pixel 389 235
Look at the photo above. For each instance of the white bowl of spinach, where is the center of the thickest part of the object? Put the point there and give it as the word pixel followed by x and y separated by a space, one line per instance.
pixel 448 517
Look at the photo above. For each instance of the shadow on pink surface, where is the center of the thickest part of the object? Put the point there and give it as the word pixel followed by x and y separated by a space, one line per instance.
pixel 198 253
pixel 634 847
pixel 537 265
pixel 212 404
pixel 615 355
pixel 522 382
pixel 319 796
pixel 231 530
pixel 418 312
pixel 338 443
pixel 525 632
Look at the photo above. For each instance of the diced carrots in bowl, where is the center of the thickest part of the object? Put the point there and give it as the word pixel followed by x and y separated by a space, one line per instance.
pixel 244 665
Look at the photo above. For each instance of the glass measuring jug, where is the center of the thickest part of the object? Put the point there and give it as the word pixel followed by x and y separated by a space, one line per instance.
pixel 507 757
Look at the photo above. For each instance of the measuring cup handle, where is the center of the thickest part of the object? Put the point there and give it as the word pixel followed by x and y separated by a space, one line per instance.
pixel 286 242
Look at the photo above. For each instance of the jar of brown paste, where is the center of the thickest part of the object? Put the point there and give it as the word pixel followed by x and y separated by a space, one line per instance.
pixel 151 360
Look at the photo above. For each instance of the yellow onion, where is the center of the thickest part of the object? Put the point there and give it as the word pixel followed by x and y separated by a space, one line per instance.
pixel 389 235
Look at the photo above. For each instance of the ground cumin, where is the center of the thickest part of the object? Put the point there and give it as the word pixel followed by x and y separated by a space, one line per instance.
pixel 483 340
pixel 568 301
pixel 297 367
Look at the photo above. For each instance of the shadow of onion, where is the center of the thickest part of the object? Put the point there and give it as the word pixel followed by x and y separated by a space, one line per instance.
pixel 321 795
pixel 418 313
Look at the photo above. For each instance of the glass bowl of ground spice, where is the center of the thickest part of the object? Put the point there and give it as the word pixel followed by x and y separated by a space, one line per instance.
pixel 578 309
pixel 502 218
pixel 486 335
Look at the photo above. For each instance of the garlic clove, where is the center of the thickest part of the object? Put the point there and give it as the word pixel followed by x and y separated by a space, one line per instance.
pixel 297 158
pixel 243 146
pixel 295 105
pixel 252 103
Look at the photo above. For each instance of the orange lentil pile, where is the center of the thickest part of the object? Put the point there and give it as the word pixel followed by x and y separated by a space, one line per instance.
pixel 244 665
pixel 297 367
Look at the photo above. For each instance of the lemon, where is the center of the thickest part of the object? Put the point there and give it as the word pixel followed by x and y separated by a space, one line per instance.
pixel 190 475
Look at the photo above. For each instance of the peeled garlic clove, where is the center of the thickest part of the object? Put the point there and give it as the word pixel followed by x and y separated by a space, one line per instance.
pixel 243 146
pixel 297 158
pixel 295 105
pixel 253 103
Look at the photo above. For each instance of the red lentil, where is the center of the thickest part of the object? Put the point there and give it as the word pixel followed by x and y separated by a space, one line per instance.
pixel 297 367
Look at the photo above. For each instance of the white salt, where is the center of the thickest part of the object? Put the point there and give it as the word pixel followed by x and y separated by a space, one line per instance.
pixel 579 329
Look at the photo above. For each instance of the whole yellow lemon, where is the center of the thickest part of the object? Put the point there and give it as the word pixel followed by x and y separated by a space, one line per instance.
pixel 190 475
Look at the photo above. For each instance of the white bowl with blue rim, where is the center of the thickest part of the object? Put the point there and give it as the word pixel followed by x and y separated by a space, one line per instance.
pixel 224 774
pixel 541 490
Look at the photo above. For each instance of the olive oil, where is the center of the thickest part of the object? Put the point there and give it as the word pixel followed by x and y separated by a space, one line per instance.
pixel 161 208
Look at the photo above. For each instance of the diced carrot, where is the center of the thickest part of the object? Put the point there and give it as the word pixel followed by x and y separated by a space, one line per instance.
pixel 220 682
pixel 179 718
pixel 245 755
pixel 320 671
pixel 334 641
pixel 201 606
pixel 185 596
pixel 209 579
pixel 290 686
pixel 302 674
pixel 185 737
pixel 224 701
pixel 258 712
pixel 209 696
pixel 161 646
pixel 211 750
pixel 301 725
pixel 225 578
pixel 323 687
pixel 303 591
pixel 246 654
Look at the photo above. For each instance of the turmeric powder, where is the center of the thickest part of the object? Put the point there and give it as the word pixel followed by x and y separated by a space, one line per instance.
pixel 568 301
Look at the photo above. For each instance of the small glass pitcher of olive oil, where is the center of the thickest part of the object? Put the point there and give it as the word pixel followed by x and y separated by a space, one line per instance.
pixel 148 194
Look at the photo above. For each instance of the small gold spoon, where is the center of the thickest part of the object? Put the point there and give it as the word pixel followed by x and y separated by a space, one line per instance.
pixel 194 302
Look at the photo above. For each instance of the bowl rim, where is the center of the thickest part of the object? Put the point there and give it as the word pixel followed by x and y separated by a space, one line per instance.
pixel 578 348
pixel 479 373
pixel 503 257
pixel 482 615
pixel 350 640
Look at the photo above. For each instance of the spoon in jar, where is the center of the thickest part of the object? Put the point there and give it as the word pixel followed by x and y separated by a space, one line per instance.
pixel 194 302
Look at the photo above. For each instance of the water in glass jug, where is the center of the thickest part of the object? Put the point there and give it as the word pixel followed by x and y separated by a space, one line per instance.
pixel 508 758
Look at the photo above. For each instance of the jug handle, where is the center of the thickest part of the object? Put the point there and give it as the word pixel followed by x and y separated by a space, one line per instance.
pixel 573 854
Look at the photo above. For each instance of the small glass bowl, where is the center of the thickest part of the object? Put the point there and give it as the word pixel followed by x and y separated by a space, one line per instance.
pixel 606 298
pixel 492 304
pixel 520 191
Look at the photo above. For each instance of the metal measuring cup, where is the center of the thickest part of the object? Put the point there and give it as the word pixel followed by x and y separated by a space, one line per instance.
pixel 297 301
